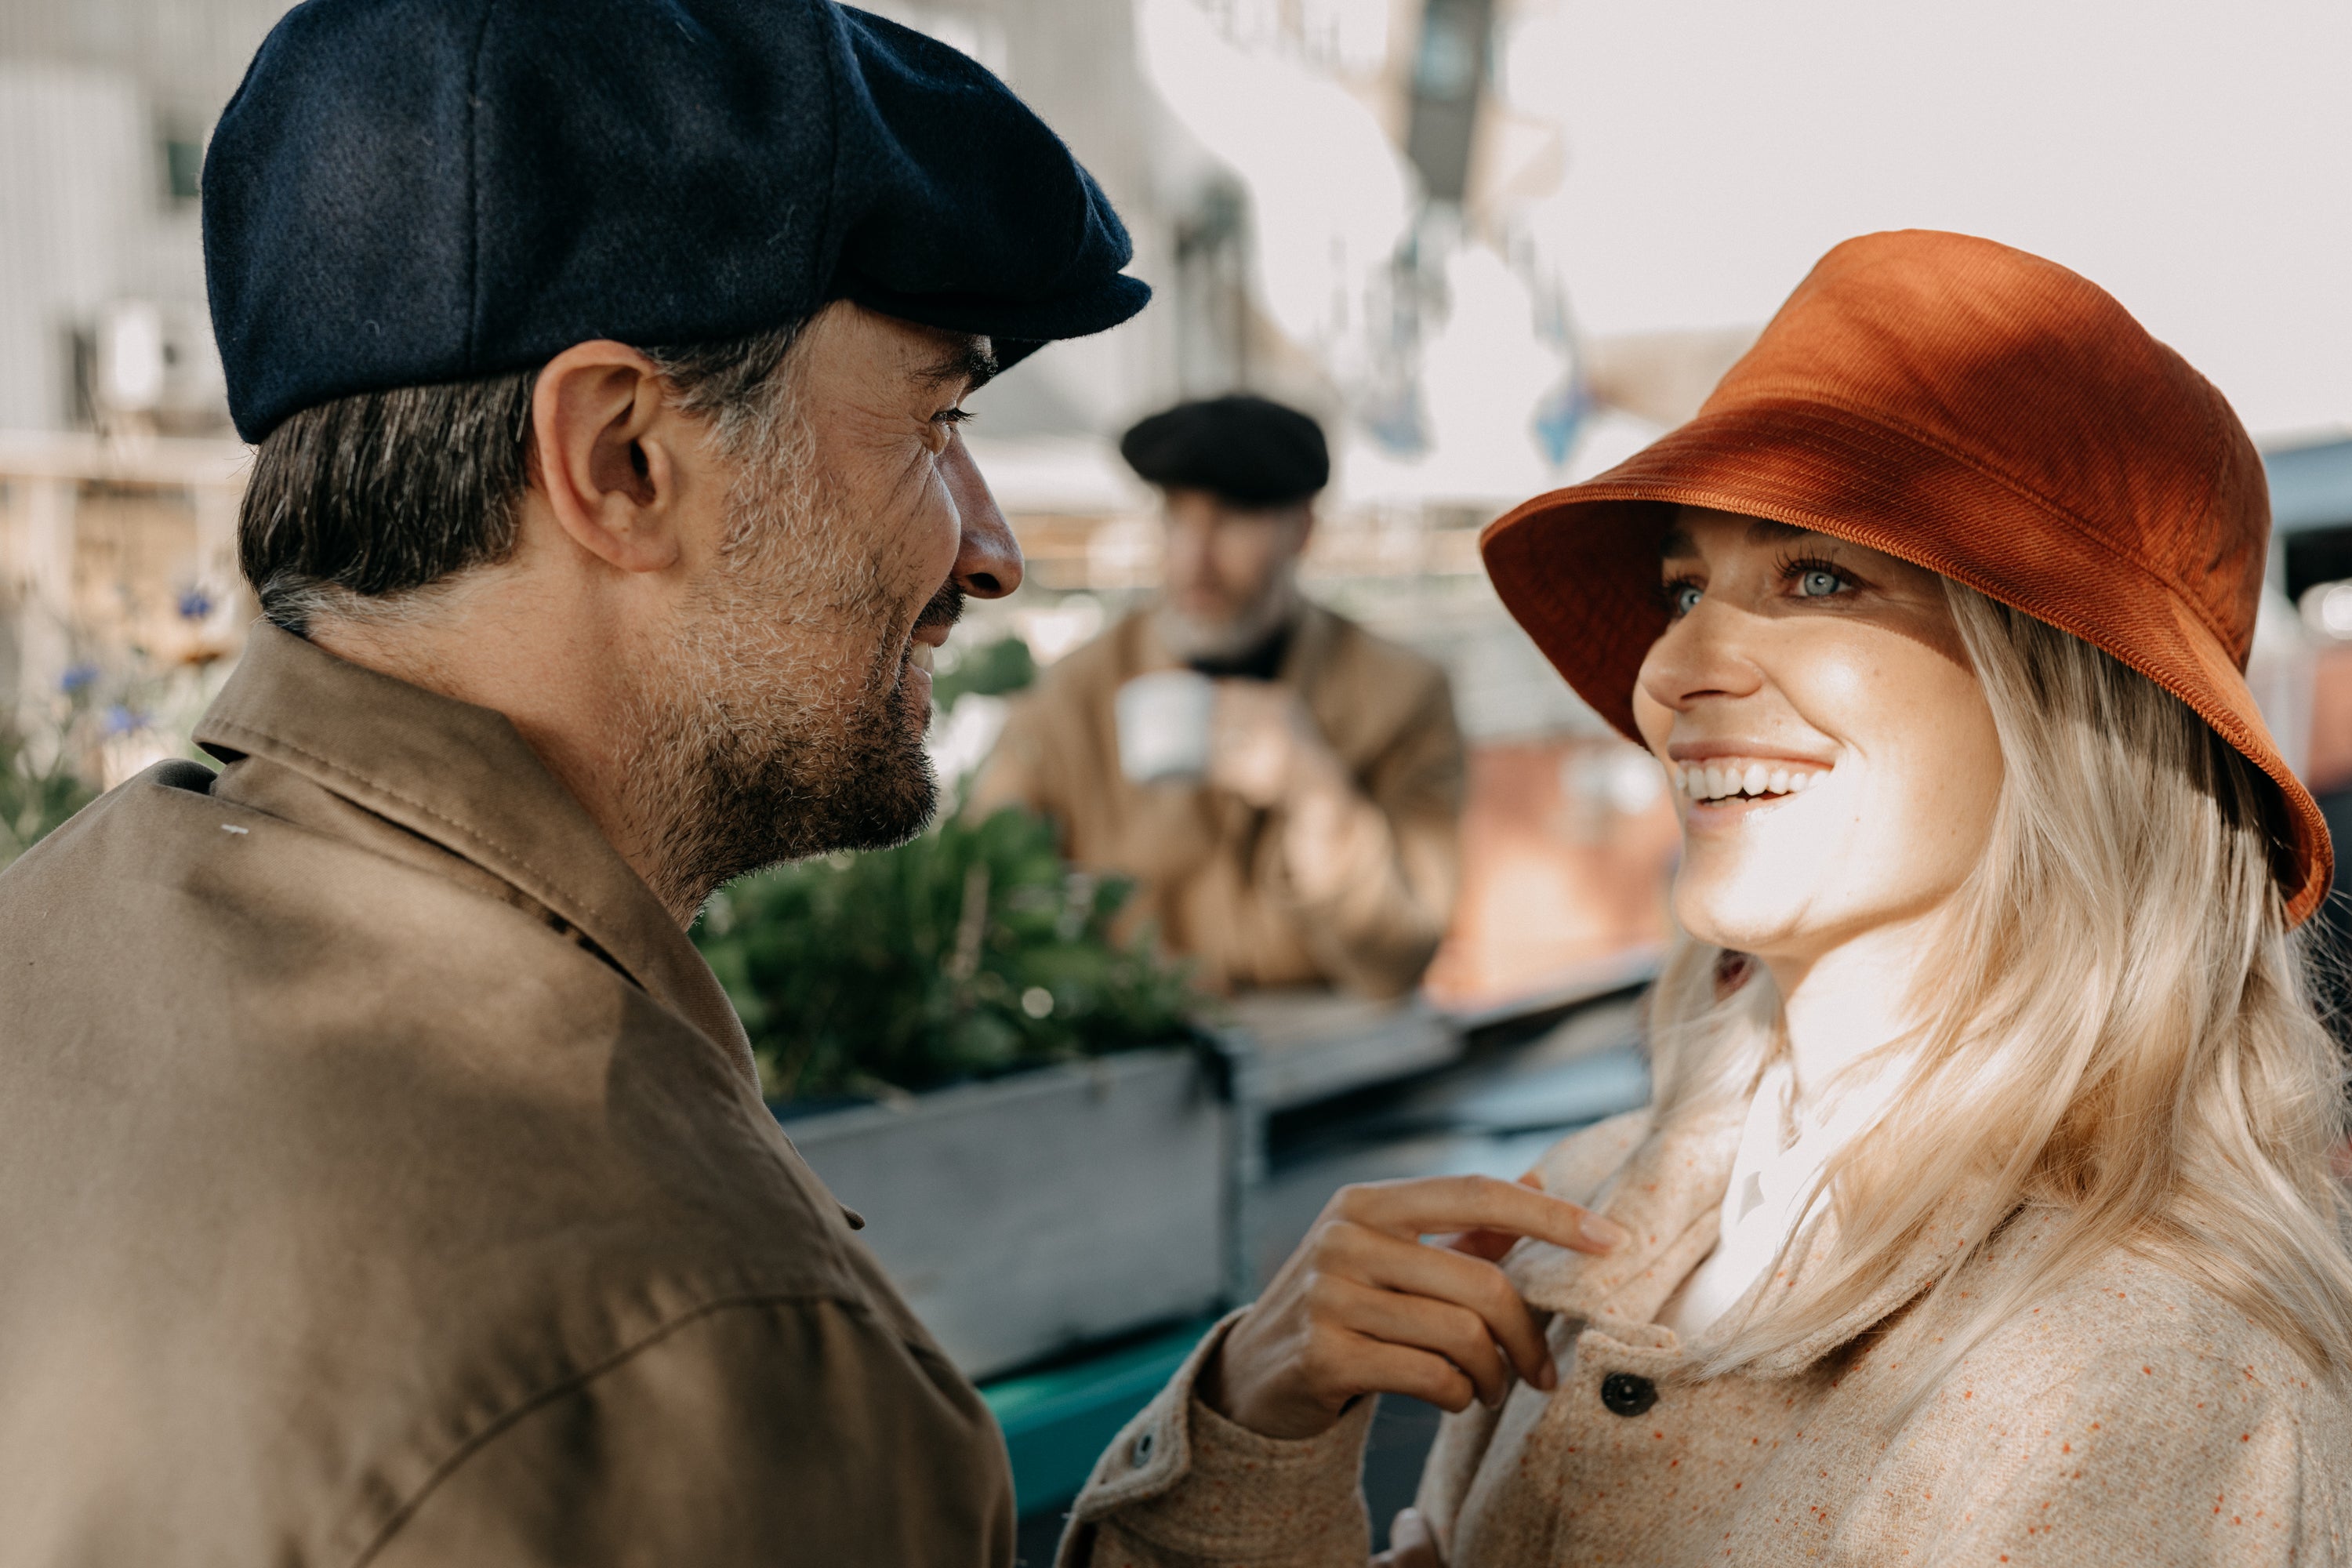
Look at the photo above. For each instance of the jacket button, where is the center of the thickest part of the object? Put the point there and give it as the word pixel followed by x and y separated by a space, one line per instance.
pixel 1141 1448
pixel 1626 1394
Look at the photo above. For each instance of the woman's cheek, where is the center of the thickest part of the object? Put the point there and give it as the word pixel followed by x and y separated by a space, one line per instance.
pixel 1655 720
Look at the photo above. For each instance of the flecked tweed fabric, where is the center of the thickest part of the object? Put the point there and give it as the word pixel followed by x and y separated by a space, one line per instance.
pixel 1969 408
pixel 2131 1418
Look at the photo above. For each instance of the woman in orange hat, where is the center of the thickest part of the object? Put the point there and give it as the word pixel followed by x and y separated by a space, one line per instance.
pixel 1983 1213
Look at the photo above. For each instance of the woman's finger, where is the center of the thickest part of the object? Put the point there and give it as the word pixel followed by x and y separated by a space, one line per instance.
pixel 1381 1367
pixel 1418 1323
pixel 1486 1245
pixel 1411 1269
pixel 1491 1245
pixel 1434 1205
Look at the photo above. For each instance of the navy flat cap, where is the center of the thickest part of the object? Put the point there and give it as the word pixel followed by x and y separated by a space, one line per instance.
pixel 1250 450
pixel 405 192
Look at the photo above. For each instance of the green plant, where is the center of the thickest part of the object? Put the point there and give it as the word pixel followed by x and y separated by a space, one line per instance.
pixel 988 670
pixel 36 796
pixel 970 952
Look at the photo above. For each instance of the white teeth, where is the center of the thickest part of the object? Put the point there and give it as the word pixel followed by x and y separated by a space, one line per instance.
pixel 1714 781
pixel 925 656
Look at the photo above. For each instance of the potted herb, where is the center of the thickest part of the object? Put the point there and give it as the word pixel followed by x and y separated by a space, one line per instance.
pixel 1018 1102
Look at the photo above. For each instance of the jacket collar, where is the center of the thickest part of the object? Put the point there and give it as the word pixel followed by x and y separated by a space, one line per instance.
pixel 462 777
pixel 1313 633
pixel 1668 1194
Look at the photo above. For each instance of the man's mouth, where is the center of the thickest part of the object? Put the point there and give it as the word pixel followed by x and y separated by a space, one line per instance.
pixel 1744 778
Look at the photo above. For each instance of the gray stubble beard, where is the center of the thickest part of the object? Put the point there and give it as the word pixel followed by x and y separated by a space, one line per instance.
pixel 748 754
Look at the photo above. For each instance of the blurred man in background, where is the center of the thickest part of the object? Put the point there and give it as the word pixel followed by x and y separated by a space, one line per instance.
pixel 1317 841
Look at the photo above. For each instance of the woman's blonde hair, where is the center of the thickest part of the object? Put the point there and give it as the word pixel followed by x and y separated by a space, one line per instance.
pixel 2118 1028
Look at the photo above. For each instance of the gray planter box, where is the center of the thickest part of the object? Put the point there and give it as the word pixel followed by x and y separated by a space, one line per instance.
pixel 1035 1213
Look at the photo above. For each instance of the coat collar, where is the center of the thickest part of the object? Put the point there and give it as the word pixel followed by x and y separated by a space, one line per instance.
pixel 462 777
pixel 1668 1194
pixel 1313 635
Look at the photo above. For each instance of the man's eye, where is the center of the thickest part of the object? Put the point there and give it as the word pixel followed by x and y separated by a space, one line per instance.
pixel 951 415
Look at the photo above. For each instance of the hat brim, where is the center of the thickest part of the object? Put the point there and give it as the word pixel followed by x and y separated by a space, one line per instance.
pixel 1015 328
pixel 1578 568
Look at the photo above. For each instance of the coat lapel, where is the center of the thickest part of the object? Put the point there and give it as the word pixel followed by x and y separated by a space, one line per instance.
pixel 1668 1194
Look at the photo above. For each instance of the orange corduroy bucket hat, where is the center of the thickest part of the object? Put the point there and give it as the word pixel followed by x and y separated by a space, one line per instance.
pixel 1974 410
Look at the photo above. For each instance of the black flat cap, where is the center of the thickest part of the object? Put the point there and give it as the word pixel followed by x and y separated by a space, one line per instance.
pixel 405 192
pixel 1250 450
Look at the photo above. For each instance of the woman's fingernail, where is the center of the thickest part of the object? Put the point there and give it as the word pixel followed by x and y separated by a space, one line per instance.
pixel 1547 1376
pixel 1605 1234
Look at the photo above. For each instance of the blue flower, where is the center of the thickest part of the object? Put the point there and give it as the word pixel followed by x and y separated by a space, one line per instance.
pixel 194 604
pixel 76 678
pixel 121 721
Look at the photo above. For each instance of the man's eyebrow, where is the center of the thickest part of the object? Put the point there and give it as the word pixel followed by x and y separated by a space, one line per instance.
pixel 970 361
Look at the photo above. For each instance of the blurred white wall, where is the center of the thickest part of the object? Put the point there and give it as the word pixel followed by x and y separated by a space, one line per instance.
pixel 76 183
pixel 2193 157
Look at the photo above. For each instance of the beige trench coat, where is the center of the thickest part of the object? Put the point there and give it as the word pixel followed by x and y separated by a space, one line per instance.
pixel 2130 1418
pixel 384 1180
pixel 1210 865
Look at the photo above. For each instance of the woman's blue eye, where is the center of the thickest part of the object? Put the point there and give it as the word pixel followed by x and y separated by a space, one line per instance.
pixel 1817 583
pixel 1682 598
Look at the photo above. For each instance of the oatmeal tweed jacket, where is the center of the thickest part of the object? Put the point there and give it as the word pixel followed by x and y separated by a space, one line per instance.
pixel 2131 1418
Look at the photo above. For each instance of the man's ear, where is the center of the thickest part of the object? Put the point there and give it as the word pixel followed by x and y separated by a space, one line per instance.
pixel 606 453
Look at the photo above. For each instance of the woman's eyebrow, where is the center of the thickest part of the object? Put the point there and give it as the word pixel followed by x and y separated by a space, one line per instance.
pixel 1676 545
pixel 1764 531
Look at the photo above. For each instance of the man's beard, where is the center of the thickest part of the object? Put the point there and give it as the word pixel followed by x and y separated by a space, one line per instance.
pixel 1189 638
pixel 758 744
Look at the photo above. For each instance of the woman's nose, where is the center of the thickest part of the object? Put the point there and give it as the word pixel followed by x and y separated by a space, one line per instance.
pixel 1699 656
pixel 988 558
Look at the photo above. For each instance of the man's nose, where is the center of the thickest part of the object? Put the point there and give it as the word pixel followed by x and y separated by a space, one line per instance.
pixel 988 558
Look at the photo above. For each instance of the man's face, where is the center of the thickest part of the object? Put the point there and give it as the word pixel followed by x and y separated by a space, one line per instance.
pixel 1227 570
pixel 794 689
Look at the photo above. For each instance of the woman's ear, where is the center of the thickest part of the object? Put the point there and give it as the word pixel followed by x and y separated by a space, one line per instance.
pixel 607 454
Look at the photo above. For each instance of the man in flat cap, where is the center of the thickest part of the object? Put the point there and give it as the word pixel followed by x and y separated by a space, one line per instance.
pixel 1318 846
pixel 384 1177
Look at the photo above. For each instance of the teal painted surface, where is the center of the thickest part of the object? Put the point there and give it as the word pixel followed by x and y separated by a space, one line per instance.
pixel 2311 487
pixel 1057 1423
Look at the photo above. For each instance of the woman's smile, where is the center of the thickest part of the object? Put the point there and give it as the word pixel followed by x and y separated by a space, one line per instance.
pixel 1722 783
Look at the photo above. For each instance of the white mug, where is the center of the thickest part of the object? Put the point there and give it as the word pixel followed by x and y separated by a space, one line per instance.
pixel 1163 725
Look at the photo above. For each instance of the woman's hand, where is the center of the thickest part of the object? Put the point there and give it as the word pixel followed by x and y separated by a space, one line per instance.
pixel 1363 1307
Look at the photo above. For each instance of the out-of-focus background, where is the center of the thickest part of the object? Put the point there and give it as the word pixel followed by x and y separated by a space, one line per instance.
pixel 1494 246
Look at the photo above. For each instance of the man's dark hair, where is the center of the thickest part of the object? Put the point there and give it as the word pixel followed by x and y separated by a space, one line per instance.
pixel 383 493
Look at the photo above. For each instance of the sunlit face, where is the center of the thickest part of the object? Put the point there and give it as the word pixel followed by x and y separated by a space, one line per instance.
pixel 1834 759
pixel 792 697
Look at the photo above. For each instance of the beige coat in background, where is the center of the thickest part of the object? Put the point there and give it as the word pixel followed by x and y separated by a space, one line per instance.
pixel 2130 1418
pixel 1210 865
